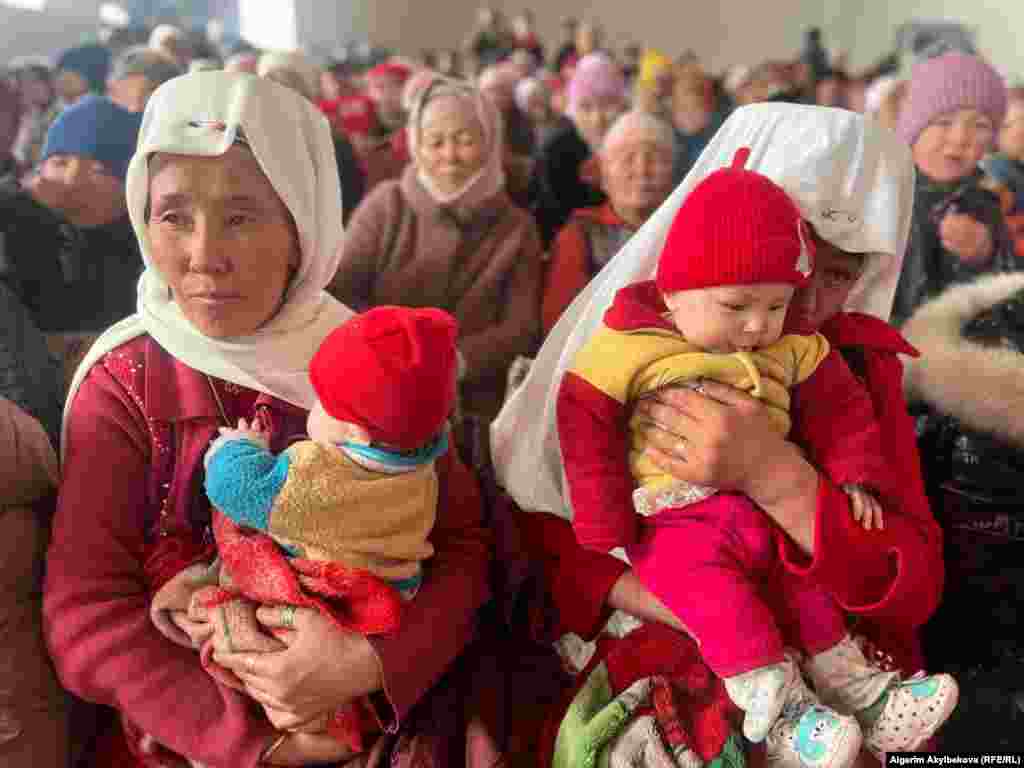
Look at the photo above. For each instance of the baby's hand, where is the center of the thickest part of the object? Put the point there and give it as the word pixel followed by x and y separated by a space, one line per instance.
pixel 254 432
pixel 865 507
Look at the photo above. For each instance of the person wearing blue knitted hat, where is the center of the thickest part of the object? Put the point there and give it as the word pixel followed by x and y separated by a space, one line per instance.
pixel 82 70
pixel 95 128
pixel 71 250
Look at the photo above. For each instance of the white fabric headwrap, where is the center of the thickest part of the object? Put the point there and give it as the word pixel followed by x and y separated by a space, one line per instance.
pixel 851 178
pixel 291 141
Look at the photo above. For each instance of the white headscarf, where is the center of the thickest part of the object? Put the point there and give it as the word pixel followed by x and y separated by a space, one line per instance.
pixel 490 179
pixel 852 179
pixel 291 141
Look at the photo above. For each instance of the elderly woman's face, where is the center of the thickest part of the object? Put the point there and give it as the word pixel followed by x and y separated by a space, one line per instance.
pixel 452 145
pixel 131 92
pixel 637 175
pixel 221 239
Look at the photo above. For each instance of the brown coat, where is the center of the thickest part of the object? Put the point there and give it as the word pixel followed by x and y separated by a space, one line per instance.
pixel 34 717
pixel 403 248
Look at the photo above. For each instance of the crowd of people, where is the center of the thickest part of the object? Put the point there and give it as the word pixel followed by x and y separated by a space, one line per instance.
pixel 511 404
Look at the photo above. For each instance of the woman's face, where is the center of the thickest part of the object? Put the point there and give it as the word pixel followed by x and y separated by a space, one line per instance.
pixel 452 145
pixel 82 189
pixel 835 274
pixel 221 239
pixel 594 115
pixel 951 146
pixel 637 175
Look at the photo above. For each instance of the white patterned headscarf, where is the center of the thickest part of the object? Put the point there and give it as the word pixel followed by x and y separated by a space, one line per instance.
pixel 852 179
pixel 204 114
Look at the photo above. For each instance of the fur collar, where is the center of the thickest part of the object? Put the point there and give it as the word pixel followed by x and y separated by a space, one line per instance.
pixel 983 387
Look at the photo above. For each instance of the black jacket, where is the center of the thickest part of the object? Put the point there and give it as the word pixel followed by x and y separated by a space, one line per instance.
pixel 70 279
pixel 928 267
pixel 966 390
pixel 557 187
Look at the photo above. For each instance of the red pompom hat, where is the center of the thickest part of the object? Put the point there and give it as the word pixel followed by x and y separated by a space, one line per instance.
pixel 392 371
pixel 736 227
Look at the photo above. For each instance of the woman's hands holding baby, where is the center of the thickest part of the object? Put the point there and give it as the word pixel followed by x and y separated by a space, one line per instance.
pixel 254 431
pixel 322 668
pixel 725 438
pixel 965 236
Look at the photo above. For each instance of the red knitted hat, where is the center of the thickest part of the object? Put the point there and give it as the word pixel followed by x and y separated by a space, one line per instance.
pixel 390 370
pixel 736 227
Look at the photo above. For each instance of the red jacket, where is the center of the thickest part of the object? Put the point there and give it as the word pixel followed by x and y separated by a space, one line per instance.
pixel 832 416
pixel 100 563
pixel 571 265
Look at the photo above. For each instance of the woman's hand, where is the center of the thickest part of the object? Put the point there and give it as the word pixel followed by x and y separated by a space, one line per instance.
pixel 321 670
pixel 719 438
pixel 725 438
pixel 967 237
pixel 301 749
pixel 198 631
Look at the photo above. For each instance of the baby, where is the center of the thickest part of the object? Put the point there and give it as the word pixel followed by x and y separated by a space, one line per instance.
pixel 734 256
pixel 346 513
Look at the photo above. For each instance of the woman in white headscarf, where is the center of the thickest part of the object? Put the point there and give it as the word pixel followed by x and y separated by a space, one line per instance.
pixel 234 199
pixel 853 182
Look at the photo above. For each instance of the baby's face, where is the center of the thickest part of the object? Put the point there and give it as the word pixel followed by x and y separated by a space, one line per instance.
pixel 731 318
pixel 951 146
pixel 325 429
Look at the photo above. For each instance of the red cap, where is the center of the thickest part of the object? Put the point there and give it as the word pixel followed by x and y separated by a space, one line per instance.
pixel 392 371
pixel 391 69
pixel 736 227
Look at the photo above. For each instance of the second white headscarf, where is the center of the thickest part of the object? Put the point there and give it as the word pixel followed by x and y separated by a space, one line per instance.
pixel 852 180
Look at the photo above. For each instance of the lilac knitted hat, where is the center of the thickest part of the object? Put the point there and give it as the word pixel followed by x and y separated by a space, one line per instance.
pixel 948 83
pixel 596 76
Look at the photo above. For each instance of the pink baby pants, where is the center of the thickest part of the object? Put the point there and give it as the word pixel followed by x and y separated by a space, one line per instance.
pixel 715 565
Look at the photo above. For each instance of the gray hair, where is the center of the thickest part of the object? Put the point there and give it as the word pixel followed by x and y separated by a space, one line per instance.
pixel 142 60
pixel 651 127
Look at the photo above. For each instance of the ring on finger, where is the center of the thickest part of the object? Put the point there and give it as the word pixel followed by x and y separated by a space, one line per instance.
pixel 288 617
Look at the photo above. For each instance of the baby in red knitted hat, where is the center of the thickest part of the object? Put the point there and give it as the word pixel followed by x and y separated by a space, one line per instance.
pixel 734 256
pixel 339 522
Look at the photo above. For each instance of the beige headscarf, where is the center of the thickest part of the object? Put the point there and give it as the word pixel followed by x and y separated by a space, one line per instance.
pixel 203 114
pixel 852 179
pixel 490 179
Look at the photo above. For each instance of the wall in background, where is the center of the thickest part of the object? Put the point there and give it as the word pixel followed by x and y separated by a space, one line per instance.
pixel 998 27
pixel 724 33
pixel 60 26
pixel 736 31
